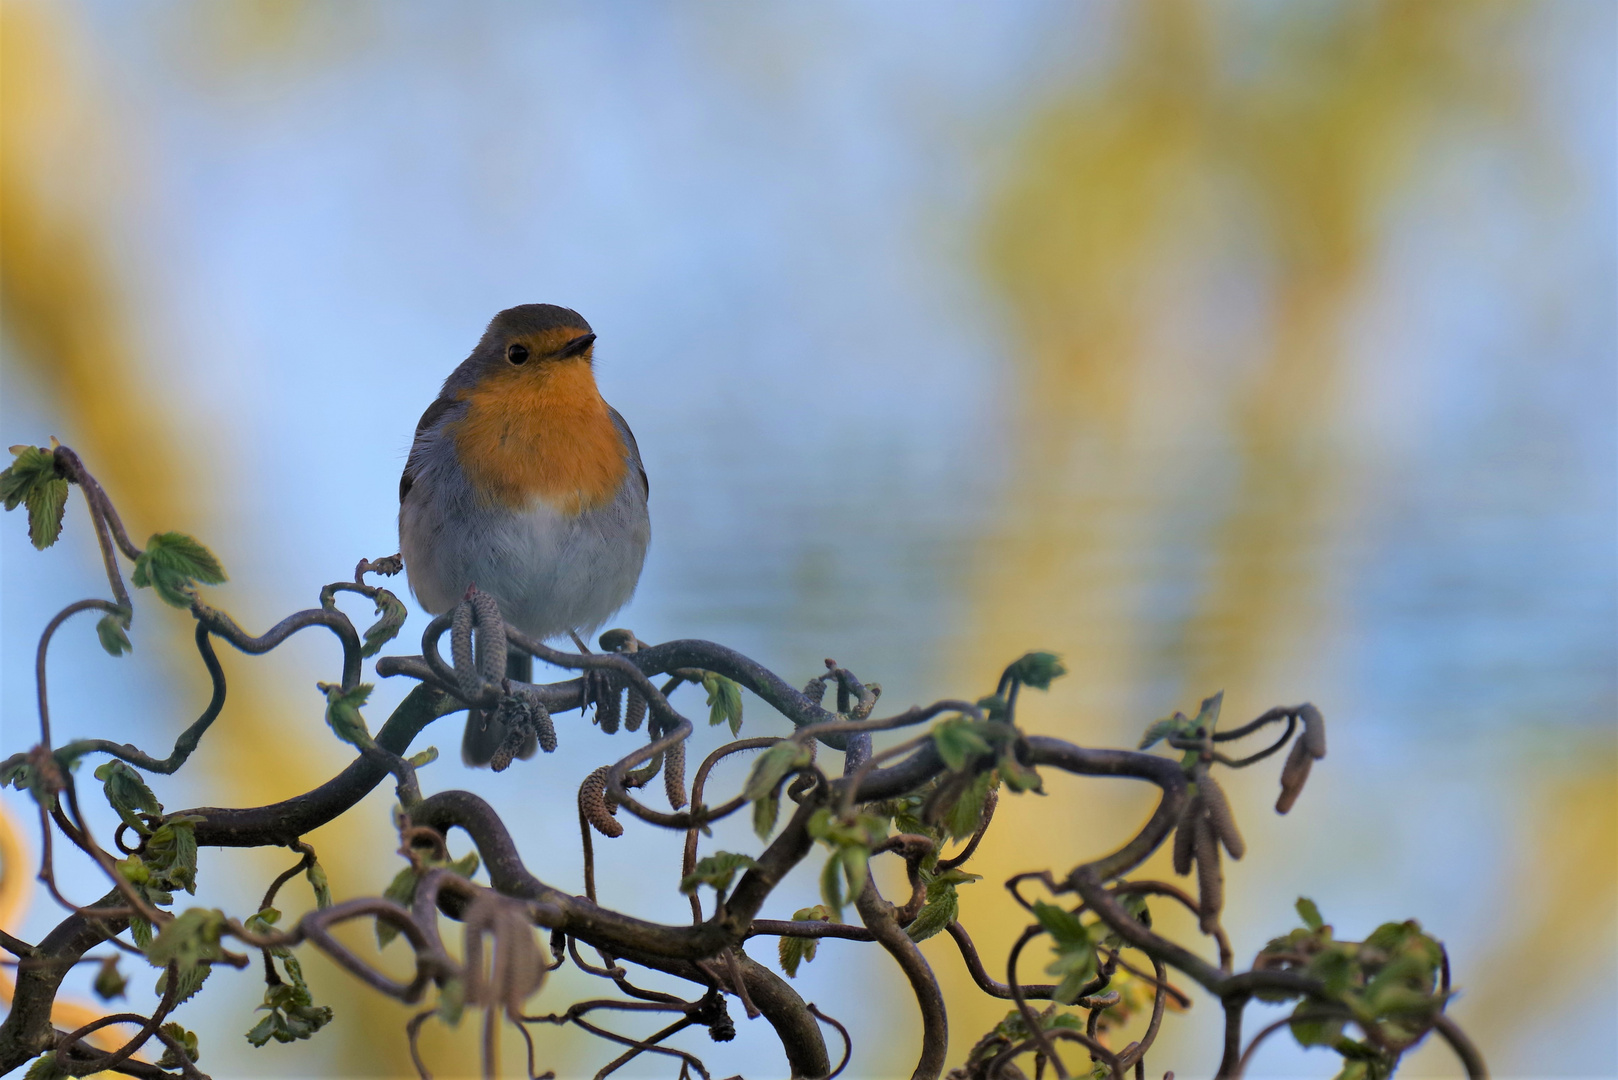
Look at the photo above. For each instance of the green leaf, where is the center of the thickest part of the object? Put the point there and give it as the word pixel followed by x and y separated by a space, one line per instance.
pixel 451 1001
pixel 109 982
pixel 264 1030
pixel 1075 962
pixel 393 614
pixel 724 701
pixel 940 910
pixel 45 1066
pixel 994 707
pixel 856 859
pixel 1208 715
pixel 1061 924
pixel 798 950
pixel 188 1041
pixel 47 504
pixel 962 817
pixel 190 981
pixel 141 931
pixel 402 891
pixel 291 1014
pixel 1309 913
pixel 765 813
pixel 959 742
pixel 1037 669
pixel 317 881
pixel 425 757
pixel 717 870
pixel 1315 1032
pixel 1166 728
pixel 191 939
pixel 127 793
pixel 831 885
pixel 110 629
pixel 171 853
pixel 1017 776
pixel 32 480
pixel 17 772
pixel 172 565
pixel 772 766
pixel 343 713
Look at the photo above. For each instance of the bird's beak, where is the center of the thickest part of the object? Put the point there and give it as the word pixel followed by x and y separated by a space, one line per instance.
pixel 577 346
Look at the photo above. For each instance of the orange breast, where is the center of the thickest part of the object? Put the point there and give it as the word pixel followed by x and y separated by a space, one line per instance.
pixel 541 433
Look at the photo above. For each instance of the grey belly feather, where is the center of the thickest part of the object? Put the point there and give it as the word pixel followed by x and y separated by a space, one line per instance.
pixel 551 573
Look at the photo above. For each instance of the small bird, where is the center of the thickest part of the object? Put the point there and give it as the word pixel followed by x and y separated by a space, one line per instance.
pixel 524 482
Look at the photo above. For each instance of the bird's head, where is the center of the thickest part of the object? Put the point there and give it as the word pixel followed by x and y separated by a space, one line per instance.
pixel 525 347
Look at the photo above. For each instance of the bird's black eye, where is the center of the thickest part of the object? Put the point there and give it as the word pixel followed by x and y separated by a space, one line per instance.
pixel 517 354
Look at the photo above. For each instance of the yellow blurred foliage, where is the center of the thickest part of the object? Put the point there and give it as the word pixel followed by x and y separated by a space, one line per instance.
pixel 1213 150
pixel 67 315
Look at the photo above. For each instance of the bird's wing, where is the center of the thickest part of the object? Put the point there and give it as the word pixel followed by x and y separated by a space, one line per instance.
pixel 634 451
pixel 425 430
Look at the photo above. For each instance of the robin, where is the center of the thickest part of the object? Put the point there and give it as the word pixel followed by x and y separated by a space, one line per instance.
pixel 524 482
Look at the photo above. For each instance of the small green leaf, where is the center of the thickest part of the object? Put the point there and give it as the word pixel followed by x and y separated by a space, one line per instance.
pixel 291 1014
pixel 1309 913
pixel 16 772
pixel 1158 730
pixel 317 881
pixel 47 504
pixel 794 951
pixel 426 757
pixel 959 742
pixel 856 859
pixel 964 815
pixel 1316 1032
pixel 343 713
pixel 191 939
pixel 32 480
pixel 393 614
pixel 1208 715
pixel 1037 669
pixel 1061 924
pixel 451 1002
pixel 171 853
pixel 45 1066
pixel 127 793
pixel 263 921
pixel 765 812
pixel 190 981
pixel 1017 776
pixel 111 632
pixel 940 910
pixel 801 950
pixel 717 870
pixel 109 982
pixel 172 565
pixel 187 1041
pixel 402 891
pixel 264 1030
pixel 724 701
pixel 831 885
pixel 772 766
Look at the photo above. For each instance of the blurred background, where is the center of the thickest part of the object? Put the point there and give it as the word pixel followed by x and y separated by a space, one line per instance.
pixel 1256 346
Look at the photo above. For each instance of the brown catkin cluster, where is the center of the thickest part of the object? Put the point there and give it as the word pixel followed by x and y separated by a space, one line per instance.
pixel 674 774
pixel 596 807
pixel 1307 749
pixel 1206 824
pixel 610 707
pixel 634 710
